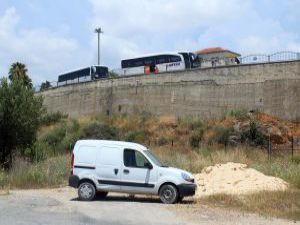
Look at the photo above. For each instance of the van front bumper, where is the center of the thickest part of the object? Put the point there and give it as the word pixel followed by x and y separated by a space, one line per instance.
pixel 186 189
pixel 73 181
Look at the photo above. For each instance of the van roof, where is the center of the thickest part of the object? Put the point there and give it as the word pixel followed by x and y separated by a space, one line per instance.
pixel 109 142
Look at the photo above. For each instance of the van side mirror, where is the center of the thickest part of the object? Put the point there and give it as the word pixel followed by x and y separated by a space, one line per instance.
pixel 148 165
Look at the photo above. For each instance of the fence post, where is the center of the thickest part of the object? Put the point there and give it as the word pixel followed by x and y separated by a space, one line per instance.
pixel 292 147
pixel 269 148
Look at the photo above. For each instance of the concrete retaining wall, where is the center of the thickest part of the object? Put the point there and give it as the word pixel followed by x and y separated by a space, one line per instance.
pixel 213 92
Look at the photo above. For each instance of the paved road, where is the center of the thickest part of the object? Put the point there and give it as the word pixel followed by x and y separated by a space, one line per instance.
pixel 60 206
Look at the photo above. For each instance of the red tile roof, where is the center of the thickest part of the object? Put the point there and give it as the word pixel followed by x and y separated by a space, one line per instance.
pixel 213 50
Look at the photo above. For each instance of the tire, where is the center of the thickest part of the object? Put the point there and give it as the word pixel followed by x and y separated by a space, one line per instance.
pixel 86 191
pixel 101 194
pixel 168 194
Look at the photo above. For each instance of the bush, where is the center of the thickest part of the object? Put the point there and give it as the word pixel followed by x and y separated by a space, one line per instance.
pixel 195 125
pixel 239 113
pixel 51 172
pixel 162 141
pixel 253 135
pixel 97 130
pixel 195 141
pixel 54 136
pixel 20 115
pixel 135 136
pixel 52 118
pixel 38 151
pixel 222 135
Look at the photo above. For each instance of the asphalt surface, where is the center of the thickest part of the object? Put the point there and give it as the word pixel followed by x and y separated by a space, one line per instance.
pixel 60 206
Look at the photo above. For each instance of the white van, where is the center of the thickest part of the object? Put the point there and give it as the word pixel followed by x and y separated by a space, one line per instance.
pixel 100 166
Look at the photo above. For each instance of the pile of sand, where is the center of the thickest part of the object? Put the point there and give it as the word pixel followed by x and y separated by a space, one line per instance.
pixel 235 178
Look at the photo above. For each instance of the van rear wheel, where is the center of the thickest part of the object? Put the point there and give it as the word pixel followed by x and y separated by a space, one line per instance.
pixel 86 191
pixel 168 194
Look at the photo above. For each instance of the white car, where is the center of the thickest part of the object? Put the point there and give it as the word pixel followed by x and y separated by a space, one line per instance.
pixel 100 166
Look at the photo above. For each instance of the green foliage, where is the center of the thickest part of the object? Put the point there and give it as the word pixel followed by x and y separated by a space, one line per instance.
pixel 253 135
pixel 286 170
pixel 18 72
pixel 45 86
pixel 135 136
pixel 239 113
pixel 296 160
pixel 51 118
pixel 223 134
pixel 20 113
pixel 49 173
pixel 38 151
pixel 162 141
pixel 195 125
pixel 54 136
pixel 145 116
pixel 98 130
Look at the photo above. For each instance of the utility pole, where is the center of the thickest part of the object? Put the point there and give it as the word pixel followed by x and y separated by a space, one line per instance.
pixel 99 31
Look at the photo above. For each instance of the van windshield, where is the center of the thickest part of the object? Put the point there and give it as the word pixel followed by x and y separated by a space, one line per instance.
pixel 153 158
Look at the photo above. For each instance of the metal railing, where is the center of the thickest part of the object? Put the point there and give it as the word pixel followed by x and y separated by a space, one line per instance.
pixel 275 57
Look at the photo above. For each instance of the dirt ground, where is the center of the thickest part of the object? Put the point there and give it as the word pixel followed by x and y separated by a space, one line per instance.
pixel 60 206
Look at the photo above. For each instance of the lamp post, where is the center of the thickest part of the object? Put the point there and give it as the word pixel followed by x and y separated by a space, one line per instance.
pixel 99 31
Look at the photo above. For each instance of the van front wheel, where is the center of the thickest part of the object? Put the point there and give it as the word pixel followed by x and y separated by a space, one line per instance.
pixel 86 191
pixel 168 194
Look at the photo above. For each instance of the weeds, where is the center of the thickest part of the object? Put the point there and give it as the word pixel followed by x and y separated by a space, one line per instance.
pixel 285 204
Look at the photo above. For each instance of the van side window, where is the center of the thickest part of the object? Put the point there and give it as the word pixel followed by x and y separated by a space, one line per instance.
pixel 134 158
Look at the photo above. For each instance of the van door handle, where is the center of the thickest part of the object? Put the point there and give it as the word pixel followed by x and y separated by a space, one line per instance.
pixel 116 171
pixel 126 171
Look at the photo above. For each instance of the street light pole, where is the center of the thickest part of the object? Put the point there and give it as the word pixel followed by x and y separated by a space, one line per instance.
pixel 98 31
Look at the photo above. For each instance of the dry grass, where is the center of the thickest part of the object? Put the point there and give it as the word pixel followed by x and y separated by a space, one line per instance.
pixel 283 204
pixel 52 172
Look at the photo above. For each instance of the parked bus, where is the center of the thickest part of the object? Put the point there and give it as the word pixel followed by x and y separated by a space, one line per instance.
pixel 158 63
pixel 83 75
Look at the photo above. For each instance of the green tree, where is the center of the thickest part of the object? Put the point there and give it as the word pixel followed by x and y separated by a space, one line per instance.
pixel 18 71
pixel 20 113
pixel 45 85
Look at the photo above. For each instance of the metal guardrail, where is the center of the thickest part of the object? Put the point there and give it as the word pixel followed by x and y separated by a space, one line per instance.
pixel 275 57
pixel 248 59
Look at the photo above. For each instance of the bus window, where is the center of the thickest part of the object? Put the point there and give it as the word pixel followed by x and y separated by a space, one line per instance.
pixel 149 61
pixel 161 59
pixel 138 62
pixel 174 58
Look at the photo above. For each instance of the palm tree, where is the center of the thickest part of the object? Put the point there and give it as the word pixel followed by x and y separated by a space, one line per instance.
pixel 18 71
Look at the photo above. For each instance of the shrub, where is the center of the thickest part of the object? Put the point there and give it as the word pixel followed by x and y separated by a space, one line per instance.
pixel 38 151
pixel 194 125
pixel 195 141
pixel 162 141
pixel 239 113
pixel 52 118
pixel 54 136
pixel 253 135
pixel 97 130
pixel 20 114
pixel 222 135
pixel 135 136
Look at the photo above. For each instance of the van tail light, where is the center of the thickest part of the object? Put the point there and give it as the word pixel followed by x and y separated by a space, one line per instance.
pixel 72 164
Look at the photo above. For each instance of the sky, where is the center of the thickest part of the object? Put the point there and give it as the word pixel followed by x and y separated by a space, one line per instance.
pixel 54 36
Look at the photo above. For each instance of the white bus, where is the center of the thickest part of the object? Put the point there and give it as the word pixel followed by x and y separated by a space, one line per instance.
pixel 83 75
pixel 158 63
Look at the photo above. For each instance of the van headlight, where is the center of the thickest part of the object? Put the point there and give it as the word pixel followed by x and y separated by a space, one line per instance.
pixel 187 177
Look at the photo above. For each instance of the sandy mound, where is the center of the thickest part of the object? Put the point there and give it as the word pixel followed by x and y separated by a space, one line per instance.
pixel 235 178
